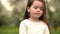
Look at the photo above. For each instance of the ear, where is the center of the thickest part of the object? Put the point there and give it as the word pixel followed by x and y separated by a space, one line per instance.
pixel 28 9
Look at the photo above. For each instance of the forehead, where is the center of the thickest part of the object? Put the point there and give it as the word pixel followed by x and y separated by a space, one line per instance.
pixel 37 3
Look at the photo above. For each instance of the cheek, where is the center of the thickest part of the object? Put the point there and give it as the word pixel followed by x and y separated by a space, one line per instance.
pixel 41 12
pixel 32 10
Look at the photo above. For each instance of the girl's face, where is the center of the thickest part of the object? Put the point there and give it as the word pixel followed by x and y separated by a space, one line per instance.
pixel 36 9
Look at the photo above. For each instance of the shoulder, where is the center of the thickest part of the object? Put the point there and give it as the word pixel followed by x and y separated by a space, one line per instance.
pixel 44 24
pixel 24 21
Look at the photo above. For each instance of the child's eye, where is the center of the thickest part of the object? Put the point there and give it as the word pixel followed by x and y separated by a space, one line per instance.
pixel 35 7
pixel 41 8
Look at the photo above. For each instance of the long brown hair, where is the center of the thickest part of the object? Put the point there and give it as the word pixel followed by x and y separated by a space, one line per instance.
pixel 43 17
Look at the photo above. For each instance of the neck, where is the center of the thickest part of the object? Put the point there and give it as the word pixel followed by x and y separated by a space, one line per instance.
pixel 34 19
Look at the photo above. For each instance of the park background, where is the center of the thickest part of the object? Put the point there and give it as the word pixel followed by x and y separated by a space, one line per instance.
pixel 12 12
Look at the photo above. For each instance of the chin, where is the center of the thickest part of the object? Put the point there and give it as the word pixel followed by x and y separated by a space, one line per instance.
pixel 37 17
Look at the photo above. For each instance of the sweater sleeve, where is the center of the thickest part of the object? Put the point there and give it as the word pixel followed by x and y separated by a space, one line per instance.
pixel 22 28
pixel 47 30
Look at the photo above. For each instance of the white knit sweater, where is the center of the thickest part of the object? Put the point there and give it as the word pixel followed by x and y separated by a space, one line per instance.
pixel 29 27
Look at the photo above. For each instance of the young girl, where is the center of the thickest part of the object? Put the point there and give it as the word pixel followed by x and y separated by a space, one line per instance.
pixel 35 20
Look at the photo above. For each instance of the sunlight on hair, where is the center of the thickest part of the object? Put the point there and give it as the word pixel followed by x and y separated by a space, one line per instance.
pixel 6 4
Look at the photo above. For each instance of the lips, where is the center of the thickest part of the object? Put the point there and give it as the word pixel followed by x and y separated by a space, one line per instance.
pixel 37 13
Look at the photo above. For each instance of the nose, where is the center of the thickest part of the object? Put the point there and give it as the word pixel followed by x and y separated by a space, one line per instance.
pixel 38 10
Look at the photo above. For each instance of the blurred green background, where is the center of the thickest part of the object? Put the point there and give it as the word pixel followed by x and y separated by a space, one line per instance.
pixel 12 12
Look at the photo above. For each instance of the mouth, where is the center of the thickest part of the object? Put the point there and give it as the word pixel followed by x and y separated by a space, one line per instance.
pixel 37 13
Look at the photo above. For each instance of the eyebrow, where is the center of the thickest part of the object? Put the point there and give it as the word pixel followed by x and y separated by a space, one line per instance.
pixel 39 6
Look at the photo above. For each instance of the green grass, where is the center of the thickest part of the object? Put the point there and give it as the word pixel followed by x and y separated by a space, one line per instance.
pixel 57 31
pixel 9 30
pixel 15 30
